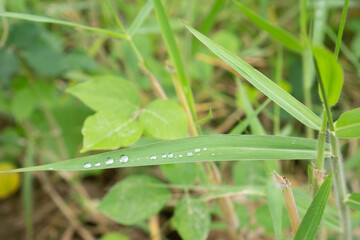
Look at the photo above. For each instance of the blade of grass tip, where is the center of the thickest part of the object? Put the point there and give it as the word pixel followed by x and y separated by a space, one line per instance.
pixel 262 83
pixel 341 28
pixel 174 54
pixel 43 19
pixel 209 21
pixel 27 191
pixel 193 149
pixel 312 219
pixel 142 15
pixel 277 33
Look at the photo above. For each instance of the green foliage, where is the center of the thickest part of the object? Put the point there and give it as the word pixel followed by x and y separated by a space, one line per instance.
pixel 164 119
pixel 107 93
pixel 9 65
pixel 330 73
pixel 23 104
pixel 191 219
pixel 262 83
pixel 195 149
pixel 312 219
pixel 109 130
pixel 347 126
pixel 353 200
pixel 279 34
pixel 184 173
pixel 135 199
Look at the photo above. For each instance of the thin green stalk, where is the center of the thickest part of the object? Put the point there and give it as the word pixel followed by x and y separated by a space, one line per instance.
pixel 27 189
pixel 321 143
pixel 339 176
pixel 341 28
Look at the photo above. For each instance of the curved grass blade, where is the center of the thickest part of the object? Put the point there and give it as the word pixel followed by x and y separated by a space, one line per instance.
pixel 43 19
pixel 262 83
pixel 279 34
pixel 312 219
pixel 193 149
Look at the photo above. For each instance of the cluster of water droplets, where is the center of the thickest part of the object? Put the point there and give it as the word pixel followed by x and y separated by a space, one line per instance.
pixel 109 161
pixel 189 154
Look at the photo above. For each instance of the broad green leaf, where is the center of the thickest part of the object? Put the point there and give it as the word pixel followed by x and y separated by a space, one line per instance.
pixel 107 93
pixel 184 173
pixel 109 130
pixel 23 104
pixel 134 199
pixel 262 83
pixel 279 34
pixel 194 149
pixel 174 53
pixel 164 119
pixel 144 12
pixel 43 19
pixel 80 60
pixel 348 125
pixel 312 219
pixel 330 73
pixel 9 65
pixel 191 219
pixel 353 200
pixel 45 60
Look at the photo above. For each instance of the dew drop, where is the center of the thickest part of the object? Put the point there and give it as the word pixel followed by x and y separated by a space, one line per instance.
pixel 190 154
pixel 153 157
pixel 97 164
pixel 180 155
pixel 171 155
pixel 163 156
pixel 87 165
pixel 51 168
pixel 213 154
pixel 124 159
pixel 109 161
pixel 198 154
pixel 205 149
pixel 197 150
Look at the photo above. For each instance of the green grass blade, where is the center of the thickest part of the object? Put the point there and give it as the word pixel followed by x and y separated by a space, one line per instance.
pixel 353 200
pixel 173 50
pixel 312 219
pixel 43 19
pixel 279 34
pixel 262 83
pixel 209 21
pixel 144 12
pixel 348 125
pixel 194 149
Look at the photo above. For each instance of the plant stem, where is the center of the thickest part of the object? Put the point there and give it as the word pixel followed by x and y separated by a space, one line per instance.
pixel 339 176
